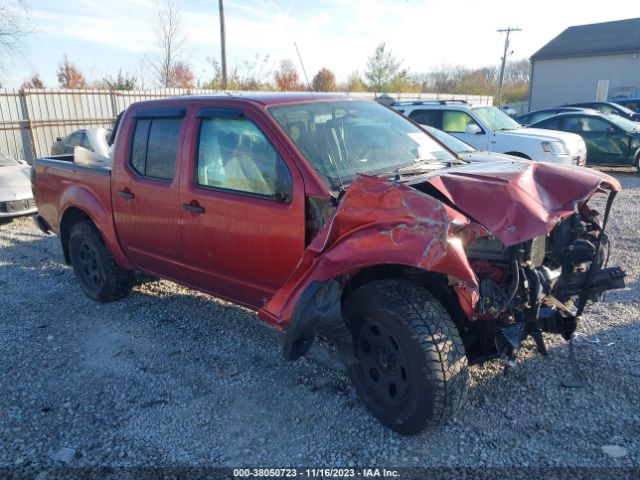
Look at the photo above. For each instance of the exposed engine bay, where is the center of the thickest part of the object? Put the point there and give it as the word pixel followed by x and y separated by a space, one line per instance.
pixel 540 285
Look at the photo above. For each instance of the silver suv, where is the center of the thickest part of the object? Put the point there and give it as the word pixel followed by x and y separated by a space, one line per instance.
pixel 487 128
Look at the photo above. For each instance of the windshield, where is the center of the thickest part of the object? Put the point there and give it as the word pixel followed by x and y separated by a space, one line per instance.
pixel 495 119
pixel 7 162
pixel 341 139
pixel 450 141
pixel 624 109
pixel 625 124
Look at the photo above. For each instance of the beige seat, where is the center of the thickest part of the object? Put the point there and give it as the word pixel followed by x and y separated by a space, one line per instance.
pixel 242 173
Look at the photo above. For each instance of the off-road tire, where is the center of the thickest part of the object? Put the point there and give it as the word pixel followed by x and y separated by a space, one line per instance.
pixel 100 277
pixel 397 321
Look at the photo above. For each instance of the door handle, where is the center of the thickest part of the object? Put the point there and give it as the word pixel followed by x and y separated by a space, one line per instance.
pixel 126 194
pixel 193 208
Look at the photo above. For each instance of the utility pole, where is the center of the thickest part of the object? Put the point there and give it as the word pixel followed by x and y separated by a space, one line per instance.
pixel 223 45
pixel 504 59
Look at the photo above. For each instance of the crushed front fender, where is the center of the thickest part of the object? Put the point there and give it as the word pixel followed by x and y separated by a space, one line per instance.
pixel 379 221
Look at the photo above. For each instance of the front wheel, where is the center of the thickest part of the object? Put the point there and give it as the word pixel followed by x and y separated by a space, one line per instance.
pixel 412 368
pixel 100 277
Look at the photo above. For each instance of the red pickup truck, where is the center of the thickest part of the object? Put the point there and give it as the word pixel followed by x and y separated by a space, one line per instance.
pixel 339 218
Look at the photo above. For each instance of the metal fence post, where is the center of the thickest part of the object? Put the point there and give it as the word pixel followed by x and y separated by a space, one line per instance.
pixel 114 105
pixel 25 129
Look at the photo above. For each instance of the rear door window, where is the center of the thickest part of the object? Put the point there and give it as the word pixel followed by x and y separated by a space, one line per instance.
pixel 155 146
pixel 552 124
pixel 426 117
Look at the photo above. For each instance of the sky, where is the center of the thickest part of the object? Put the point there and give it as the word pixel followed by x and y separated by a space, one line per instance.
pixel 101 37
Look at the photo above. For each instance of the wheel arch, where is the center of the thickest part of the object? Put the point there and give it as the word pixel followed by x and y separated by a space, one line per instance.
pixel 518 154
pixel 434 282
pixel 70 217
pixel 82 206
pixel 318 310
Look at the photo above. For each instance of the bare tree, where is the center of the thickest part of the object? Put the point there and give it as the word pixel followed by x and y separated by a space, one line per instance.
pixel 14 25
pixel 170 41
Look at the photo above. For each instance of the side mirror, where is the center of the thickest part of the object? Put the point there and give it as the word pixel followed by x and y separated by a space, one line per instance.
pixel 472 129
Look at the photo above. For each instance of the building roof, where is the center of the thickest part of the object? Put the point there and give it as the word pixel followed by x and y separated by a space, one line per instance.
pixel 606 38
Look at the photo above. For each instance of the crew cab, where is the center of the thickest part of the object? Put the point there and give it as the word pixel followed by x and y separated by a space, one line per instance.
pixel 339 218
pixel 489 129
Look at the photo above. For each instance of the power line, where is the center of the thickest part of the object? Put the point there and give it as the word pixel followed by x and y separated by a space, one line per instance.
pixel 504 58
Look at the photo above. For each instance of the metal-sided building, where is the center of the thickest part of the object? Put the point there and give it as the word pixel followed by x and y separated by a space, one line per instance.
pixel 585 62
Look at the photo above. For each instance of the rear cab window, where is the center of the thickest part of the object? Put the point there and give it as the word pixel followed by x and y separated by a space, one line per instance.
pixel 154 145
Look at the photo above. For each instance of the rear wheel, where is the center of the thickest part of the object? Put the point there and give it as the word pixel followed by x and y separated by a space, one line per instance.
pixel 100 277
pixel 412 369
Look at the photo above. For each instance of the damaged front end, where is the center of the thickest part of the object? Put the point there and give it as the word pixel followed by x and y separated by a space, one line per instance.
pixel 541 284
pixel 510 252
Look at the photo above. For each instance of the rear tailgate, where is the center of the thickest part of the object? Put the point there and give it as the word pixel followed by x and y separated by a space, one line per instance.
pixel 54 181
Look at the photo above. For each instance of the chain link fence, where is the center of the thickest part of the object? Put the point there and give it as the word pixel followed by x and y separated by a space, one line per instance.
pixel 32 119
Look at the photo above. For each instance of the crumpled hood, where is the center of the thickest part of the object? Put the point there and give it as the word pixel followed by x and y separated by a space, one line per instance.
pixel 518 200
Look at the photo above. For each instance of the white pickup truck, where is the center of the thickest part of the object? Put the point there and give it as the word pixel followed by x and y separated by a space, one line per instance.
pixel 487 128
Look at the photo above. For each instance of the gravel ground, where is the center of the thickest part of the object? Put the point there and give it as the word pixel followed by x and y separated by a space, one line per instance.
pixel 170 376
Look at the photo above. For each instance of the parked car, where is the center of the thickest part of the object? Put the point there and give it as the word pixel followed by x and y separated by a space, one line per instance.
pixel 16 198
pixel 610 108
pixel 335 217
pixel 466 151
pixel 611 139
pixel 93 139
pixel 630 103
pixel 512 112
pixel 489 129
pixel 537 115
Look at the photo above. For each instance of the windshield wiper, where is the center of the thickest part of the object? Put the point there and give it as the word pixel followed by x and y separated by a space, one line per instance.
pixel 413 170
pixel 417 164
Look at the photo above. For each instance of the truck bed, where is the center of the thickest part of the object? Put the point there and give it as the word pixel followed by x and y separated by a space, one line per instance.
pixel 58 182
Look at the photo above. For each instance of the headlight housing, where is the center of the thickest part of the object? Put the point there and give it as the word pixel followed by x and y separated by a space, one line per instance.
pixel 557 148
